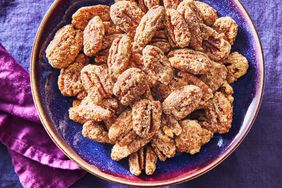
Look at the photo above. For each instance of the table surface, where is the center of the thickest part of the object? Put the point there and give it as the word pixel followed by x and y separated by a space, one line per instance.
pixel 256 163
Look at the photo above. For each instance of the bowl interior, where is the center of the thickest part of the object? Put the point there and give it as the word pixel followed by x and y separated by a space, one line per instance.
pixel 55 107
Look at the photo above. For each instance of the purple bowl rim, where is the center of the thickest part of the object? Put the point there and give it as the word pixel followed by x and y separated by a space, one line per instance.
pixel 69 152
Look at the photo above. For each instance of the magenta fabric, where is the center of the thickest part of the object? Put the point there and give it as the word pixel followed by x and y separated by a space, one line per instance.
pixel 37 160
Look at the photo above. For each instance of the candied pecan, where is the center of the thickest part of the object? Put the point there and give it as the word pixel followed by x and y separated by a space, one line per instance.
pixel 150 161
pixel 96 81
pixel 119 56
pixel 183 101
pixel 88 110
pixel 193 80
pixel 163 45
pixel 130 85
pixel 189 61
pixel 189 12
pixel 177 29
pixel 170 126
pixel 126 15
pixel 93 36
pixel 111 28
pixel 228 27
pixel 156 64
pixel 146 117
pixel 215 76
pixel 237 66
pixel 171 4
pixel 192 137
pixel 163 146
pixel 228 91
pixel 64 47
pixel 108 40
pixel 69 79
pixel 95 131
pixel 145 5
pixel 134 162
pixel 161 91
pixel 147 28
pixel 219 114
pixel 83 15
pixel 120 152
pixel 214 44
pixel 207 13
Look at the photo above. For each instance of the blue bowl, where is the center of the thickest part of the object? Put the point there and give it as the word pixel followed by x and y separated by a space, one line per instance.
pixel 95 157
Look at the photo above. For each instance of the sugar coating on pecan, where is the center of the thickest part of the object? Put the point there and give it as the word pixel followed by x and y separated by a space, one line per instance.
pixel 64 47
pixel 171 4
pixel 69 79
pixel 145 5
pixel 93 36
pixel 219 114
pixel 228 27
pixel 97 82
pixel 89 110
pixel 146 117
pixel 177 29
pixel 95 131
pixel 192 138
pixel 119 56
pixel 207 13
pixel 130 85
pixel 237 66
pixel 126 15
pixel 156 64
pixel 214 44
pixel 170 126
pixel 189 61
pixel 147 28
pixel 215 77
pixel 183 101
pixel 83 15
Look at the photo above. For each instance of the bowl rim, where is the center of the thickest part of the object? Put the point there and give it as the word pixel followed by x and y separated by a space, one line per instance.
pixel 70 153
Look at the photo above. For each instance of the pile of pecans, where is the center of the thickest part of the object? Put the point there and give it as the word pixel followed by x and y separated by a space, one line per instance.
pixel 160 81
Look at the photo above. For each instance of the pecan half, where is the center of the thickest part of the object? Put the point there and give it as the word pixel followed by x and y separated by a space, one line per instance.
pixel 207 13
pixel 177 29
pixel 219 114
pixel 64 47
pixel 214 44
pixel 130 85
pixel 157 65
pixel 89 110
pixel 93 36
pixel 189 61
pixel 69 79
pixel 237 66
pixel 193 80
pixel 145 5
pixel 228 27
pixel 147 28
pixel 119 56
pixel 171 4
pixel 95 131
pixel 183 101
pixel 146 117
pixel 192 137
pixel 163 146
pixel 170 126
pixel 215 77
pixel 97 82
pixel 126 15
pixel 83 15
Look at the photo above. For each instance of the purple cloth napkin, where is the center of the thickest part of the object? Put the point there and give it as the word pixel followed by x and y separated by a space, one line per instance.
pixel 37 160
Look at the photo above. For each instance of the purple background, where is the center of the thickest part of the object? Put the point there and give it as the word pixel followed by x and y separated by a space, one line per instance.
pixel 258 160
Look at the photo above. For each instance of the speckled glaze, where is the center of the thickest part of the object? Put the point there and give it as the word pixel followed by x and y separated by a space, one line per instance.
pixel 95 157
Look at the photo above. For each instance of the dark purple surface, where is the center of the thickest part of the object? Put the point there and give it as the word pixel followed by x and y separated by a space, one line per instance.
pixel 256 163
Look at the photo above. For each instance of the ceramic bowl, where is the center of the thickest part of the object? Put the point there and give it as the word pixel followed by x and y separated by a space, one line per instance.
pixel 95 157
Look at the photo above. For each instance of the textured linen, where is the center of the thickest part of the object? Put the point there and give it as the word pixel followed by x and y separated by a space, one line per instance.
pixel 36 159
pixel 256 163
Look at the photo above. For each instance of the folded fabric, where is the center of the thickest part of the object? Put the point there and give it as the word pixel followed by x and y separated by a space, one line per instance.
pixel 37 160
